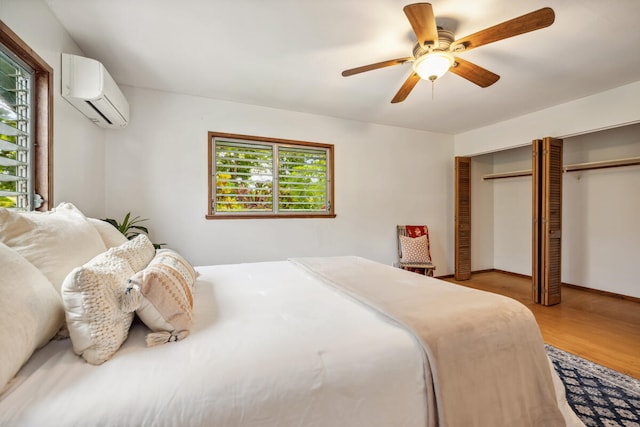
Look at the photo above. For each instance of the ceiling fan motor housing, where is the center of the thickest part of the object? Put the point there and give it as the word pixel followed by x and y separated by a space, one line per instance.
pixel 445 38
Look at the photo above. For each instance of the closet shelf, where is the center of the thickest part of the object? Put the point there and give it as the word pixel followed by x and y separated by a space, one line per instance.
pixel 632 161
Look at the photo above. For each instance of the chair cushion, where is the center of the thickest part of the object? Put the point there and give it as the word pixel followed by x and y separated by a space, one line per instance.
pixel 414 249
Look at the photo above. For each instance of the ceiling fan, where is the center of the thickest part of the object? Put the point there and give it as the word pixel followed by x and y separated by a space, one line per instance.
pixel 435 52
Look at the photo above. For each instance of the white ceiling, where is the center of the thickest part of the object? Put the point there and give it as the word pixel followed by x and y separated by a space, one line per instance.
pixel 289 54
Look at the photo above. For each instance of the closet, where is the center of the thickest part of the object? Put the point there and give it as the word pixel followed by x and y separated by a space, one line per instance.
pixel 600 234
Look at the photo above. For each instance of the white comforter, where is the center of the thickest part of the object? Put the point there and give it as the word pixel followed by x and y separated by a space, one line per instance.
pixel 271 346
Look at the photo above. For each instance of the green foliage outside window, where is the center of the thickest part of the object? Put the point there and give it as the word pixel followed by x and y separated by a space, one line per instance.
pixel 303 180
pixel 8 170
pixel 245 179
pixel 14 117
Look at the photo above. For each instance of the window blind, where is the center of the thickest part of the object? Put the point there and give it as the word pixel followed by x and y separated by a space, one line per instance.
pixel 15 135
pixel 244 177
pixel 269 178
pixel 302 175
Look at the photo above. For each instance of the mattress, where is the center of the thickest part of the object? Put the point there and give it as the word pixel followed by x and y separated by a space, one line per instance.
pixel 271 346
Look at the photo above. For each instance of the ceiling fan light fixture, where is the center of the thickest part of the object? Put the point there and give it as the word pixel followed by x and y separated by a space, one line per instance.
pixel 433 65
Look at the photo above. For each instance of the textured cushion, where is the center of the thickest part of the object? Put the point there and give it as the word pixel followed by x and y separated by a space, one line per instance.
pixel 414 250
pixel 30 312
pixel 55 242
pixel 163 297
pixel 111 236
pixel 92 297
pixel 138 252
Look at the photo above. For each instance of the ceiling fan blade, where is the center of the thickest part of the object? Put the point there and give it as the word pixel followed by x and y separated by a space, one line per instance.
pixel 406 88
pixel 523 24
pixel 474 73
pixel 377 65
pixel 423 22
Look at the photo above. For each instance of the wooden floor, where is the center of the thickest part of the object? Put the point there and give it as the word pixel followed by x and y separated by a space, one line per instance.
pixel 600 328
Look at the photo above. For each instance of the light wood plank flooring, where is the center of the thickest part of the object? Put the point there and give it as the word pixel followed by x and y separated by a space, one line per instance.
pixel 600 328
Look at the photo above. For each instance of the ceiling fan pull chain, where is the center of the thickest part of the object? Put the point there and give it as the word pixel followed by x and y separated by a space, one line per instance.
pixel 433 84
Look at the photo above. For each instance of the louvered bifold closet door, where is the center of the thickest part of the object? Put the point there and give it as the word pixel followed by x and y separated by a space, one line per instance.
pixel 536 211
pixel 547 220
pixel 462 218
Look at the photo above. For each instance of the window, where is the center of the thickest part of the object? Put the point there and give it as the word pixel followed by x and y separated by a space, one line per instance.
pixel 256 177
pixel 25 125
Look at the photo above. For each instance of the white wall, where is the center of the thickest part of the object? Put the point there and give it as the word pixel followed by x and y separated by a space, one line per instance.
pixel 604 110
pixel 78 144
pixel 482 214
pixel 512 210
pixel 601 211
pixel 157 168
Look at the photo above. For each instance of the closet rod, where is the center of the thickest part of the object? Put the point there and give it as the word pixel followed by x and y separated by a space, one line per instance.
pixel 632 161
pixel 525 172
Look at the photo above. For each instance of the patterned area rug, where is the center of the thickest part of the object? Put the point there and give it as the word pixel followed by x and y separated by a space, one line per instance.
pixel 599 396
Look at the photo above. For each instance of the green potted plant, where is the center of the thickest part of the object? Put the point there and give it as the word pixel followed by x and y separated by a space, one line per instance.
pixel 130 227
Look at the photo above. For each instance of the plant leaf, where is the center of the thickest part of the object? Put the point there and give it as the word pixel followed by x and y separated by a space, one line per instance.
pixel 139 227
pixel 129 227
pixel 111 221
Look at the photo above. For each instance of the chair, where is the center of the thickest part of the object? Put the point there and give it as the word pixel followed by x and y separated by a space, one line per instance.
pixel 414 252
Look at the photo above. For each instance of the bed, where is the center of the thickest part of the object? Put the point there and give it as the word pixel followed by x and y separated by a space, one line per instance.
pixel 304 342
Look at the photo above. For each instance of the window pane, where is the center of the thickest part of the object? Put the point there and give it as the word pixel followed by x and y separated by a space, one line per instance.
pixel 302 175
pixel 15 150
pixel 256 177
pixel 244 177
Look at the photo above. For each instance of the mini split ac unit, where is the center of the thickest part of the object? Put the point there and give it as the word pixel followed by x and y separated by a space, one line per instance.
pixel 87 85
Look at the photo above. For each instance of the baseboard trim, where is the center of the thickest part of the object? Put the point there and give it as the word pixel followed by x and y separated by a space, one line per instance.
pixel 489 270
pixel 601 292
pixel 568 285
pixel 451 276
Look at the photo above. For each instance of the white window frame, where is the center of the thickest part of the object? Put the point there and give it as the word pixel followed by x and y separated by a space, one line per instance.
pixel 269 207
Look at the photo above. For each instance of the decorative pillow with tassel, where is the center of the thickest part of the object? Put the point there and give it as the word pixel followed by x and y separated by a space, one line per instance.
pixel 161 295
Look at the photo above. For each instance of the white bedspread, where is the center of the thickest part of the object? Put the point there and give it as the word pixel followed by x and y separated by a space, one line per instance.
pixel 271 346
pixel 485 363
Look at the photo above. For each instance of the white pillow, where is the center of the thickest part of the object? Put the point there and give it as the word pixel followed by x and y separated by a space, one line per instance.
pixel 111 236
pixel 92 297
pixel 414 249
pixel 30 312
pixel 161 295
pixel 55 242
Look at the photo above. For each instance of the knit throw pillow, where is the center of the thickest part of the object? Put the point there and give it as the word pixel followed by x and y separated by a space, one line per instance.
pixel 138 252
pixel 161 295
pixel 92 296
pixel 414 250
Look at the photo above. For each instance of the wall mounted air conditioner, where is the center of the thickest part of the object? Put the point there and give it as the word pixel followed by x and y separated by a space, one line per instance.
pixel 87 85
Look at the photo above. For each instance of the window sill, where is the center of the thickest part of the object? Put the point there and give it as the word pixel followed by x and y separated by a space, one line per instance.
pixel 268 216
